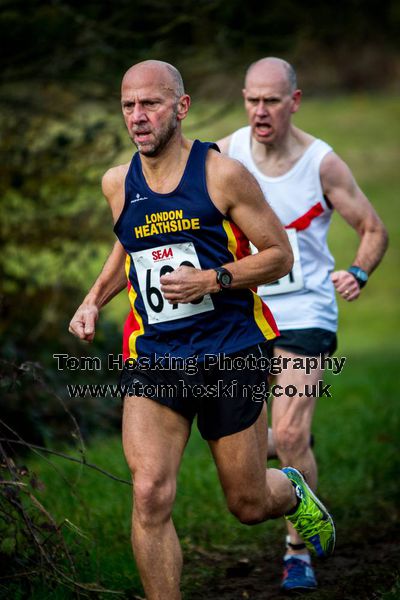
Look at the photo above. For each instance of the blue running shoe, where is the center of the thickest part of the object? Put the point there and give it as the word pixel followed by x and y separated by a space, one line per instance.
pixel 298 576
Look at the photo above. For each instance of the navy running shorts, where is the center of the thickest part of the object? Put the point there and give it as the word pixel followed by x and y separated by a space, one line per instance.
pixel 225 392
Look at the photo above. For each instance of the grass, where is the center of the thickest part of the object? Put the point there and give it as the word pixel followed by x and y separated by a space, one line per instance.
pixel 356 433
pixel 356 430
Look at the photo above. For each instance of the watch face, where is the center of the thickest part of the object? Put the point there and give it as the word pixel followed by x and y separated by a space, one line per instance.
pixel 225 279
pixel 362 275
pixel 359 273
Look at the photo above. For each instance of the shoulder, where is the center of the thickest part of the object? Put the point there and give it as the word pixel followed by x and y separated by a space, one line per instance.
pixel 301 138
pixel 240 136
pixel 113 180
pixel 224 143
pixel 334 172
pixel 224 169
pixel 113 187
pixel 228 181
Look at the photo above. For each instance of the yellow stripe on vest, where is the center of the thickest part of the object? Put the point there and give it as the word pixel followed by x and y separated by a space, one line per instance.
pixel 232 241
pixel 132 299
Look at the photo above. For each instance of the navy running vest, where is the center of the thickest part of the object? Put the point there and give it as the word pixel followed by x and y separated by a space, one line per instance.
pixel 160 232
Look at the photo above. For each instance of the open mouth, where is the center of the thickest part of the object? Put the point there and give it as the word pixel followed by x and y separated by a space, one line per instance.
pixel 263 129
pixel 142 136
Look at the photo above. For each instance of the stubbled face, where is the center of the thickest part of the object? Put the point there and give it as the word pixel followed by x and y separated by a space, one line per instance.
pixel 269 103
pixel 150 109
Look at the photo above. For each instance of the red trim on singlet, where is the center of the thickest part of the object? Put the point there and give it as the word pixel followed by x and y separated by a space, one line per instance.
pixel 270 318
pixel 243 246
pixel 305 220
pixel 130 325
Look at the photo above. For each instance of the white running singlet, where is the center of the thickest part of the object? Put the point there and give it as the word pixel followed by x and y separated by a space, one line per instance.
pixel 306 297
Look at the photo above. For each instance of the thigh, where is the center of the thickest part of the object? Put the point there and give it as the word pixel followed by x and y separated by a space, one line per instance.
pixel 154 438
pixel 241 458
pixel 294 408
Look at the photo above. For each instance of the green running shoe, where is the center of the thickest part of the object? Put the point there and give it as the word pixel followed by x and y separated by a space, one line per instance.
pixel 311 520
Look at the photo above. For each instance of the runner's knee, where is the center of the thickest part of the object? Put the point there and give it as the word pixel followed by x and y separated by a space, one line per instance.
pixel 290 440
pixel 153 500
pixel 247 508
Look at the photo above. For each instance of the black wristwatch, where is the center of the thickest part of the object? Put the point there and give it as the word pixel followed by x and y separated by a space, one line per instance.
pixel 360 275
pixel 224 277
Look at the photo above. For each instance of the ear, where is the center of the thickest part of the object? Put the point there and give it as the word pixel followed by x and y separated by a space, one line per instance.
pixel 296 100
pixel 183 107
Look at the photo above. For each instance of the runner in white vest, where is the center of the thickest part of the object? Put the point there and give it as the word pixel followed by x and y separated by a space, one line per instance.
pixel 298 199
pixel 303 180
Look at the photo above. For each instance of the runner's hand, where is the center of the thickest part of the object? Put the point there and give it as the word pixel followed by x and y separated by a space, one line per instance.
pixel 346 285
pixel 83 323
pixel 187 284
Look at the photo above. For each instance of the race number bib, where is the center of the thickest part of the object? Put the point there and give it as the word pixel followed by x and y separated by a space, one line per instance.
pixel 293 281
pixel 150 265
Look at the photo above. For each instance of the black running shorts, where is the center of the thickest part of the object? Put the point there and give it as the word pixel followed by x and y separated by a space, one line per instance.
pixel 305 342
pixel 226 392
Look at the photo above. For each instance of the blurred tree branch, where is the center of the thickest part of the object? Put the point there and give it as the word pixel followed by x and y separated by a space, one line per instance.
pixel 32 541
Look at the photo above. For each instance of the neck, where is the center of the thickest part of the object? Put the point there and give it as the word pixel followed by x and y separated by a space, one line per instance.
pixel 163 167
pixel 277 158
pixel 164 171
pixel 282 147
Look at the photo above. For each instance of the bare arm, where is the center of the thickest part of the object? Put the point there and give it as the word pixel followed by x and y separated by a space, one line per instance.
pixel 241 198
pixel 108 284
pixel 341 189
pixel 112 278
pixel 236 193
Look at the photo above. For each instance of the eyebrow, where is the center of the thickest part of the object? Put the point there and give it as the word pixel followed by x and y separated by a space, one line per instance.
pixel 141 100
pixel 261 97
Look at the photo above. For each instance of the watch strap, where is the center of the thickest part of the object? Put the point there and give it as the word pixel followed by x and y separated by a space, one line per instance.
pixel 360 275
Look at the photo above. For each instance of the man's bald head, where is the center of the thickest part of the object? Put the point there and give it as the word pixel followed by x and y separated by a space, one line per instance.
pixel 156 70
pixel 271 67
pixel 153 103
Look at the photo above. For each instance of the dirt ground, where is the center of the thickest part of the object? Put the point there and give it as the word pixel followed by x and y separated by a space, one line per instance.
pixel 361 570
